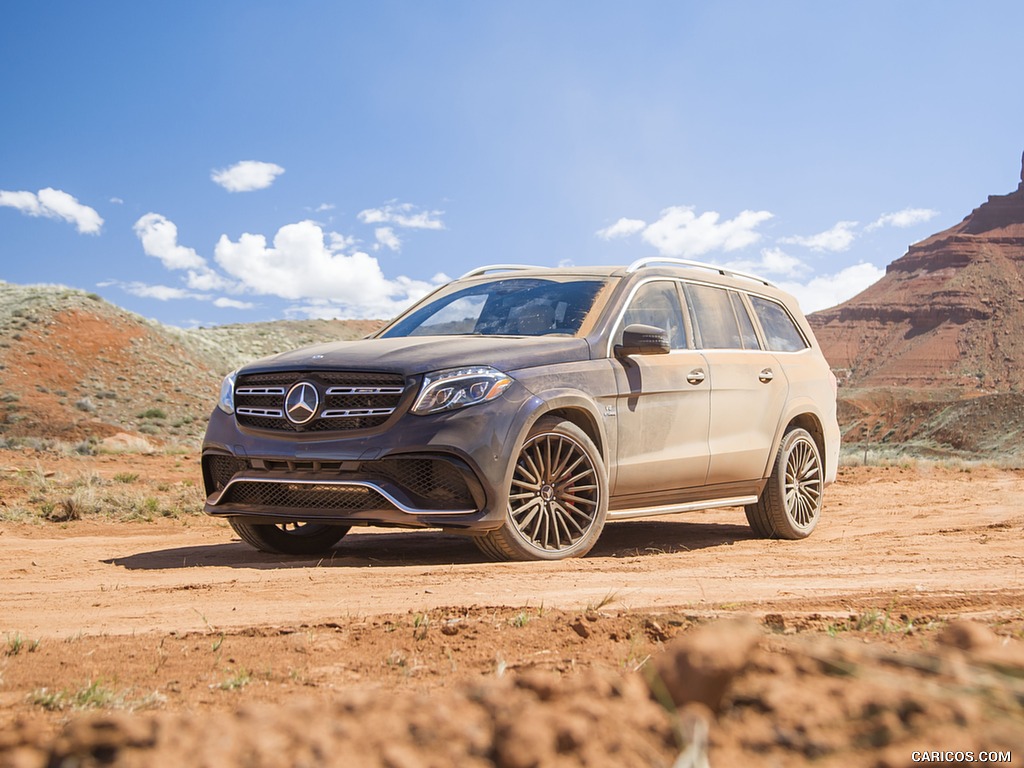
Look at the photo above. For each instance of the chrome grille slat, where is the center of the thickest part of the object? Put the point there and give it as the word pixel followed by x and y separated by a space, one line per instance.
pixel 365 390
pixel 353 412
pixel 260 391
pixel 274 413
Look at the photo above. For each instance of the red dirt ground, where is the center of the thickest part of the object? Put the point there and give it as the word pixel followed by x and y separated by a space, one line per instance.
pixel 169 641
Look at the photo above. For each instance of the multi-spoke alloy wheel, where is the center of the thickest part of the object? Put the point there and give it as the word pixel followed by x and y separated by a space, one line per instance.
pixel 790 505
pixel 557 499
pixel 299 538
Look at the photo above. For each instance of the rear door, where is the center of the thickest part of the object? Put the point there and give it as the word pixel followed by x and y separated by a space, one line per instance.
pixel 663 405
pixel 748 386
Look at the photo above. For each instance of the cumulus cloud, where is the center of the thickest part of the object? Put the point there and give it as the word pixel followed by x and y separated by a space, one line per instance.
pixel 404 215
pixel 387 238
pixel 908 217
pixel 300 265
pixel 825 291
pixel 681 232
pixel 54 204
pixel 622 228
pixel 772 261
pixel 159 238
pixel 838 238
pixel 247 176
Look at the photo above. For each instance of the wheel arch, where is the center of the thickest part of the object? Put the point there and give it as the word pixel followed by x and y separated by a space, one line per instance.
pixel 803 415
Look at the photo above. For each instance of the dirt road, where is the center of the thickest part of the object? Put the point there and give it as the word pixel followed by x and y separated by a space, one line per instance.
pixel 910 536
pixel 178 615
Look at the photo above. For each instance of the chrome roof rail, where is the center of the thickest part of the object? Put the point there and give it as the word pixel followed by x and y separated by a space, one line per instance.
pixel 498 268
pixel 648 260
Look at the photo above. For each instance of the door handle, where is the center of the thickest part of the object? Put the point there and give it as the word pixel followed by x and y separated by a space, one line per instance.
pixel 765 375
pixel 696 376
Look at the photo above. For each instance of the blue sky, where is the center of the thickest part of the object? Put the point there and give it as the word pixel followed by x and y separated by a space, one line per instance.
pixel 215 162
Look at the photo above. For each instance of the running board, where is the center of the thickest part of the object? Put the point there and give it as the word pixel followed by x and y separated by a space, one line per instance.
pixel 671 509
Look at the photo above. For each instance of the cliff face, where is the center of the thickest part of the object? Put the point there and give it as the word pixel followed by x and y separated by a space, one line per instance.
pixel 947 314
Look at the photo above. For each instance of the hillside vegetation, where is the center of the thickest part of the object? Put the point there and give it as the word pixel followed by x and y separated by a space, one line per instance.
pixel 77 369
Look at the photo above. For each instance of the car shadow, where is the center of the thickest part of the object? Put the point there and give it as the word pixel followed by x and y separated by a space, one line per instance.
pixel 635 538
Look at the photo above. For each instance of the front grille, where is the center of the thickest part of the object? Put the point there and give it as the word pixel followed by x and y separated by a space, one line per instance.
pixel 285 495
pixel 349 400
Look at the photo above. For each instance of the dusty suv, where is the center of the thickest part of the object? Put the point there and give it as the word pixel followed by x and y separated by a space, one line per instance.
pixel 527 406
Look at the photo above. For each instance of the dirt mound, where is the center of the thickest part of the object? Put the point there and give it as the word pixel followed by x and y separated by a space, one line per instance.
pixel 75 368
pixel 727 693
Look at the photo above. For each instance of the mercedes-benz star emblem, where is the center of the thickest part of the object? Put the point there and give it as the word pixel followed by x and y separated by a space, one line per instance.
pixel 301 402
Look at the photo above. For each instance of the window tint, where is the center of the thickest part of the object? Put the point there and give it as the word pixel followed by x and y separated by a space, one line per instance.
pixel 657 304
pixel 507 307
pixel 781 333
pixel 716 317
pixel 747 332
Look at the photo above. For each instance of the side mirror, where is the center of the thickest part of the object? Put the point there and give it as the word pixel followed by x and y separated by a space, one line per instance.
pixel 640 339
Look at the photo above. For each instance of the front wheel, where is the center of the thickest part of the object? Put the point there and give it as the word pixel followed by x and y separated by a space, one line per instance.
pixel 290 538
pixel 558 497
pixel 790 505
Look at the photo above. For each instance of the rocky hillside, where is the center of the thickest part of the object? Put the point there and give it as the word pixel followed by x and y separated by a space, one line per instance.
pixel 929 358
pixel 949 314
pixel 76 368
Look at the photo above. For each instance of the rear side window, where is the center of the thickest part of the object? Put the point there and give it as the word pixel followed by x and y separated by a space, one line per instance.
pixel 780 330
pixel 720 318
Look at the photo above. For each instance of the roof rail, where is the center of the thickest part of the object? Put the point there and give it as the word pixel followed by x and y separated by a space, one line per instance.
pixel 648 260
pixel 498 268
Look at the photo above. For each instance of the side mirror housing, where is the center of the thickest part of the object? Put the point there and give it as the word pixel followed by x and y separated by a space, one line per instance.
pixel 640 339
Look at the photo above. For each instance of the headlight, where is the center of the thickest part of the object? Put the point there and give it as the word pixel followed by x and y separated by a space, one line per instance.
pixel 458 387
pixel 226 402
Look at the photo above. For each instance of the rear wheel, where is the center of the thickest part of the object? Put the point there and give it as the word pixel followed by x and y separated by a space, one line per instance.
pixel 558 497
pixel 790 505
pixel 290 538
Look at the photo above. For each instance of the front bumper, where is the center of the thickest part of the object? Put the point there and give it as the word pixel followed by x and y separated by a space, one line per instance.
pixel 446 470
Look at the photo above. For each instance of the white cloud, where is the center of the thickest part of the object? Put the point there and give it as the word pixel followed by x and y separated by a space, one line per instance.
pixel 680 232
pixel 117 201
pixel 247 176
pixel 826 291
pixel 226 303
pixel 386 237
pixel 838 238
pixel 622 228
pixel 773 261
pixel 54 204
pixel 908 217
pixel 159 238
pixel 324 207
pixel 158 292
pixel 402 215
pixel 301 266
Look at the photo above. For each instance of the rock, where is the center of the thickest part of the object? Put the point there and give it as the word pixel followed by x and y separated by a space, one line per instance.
pixel 699 665
pixel 967 636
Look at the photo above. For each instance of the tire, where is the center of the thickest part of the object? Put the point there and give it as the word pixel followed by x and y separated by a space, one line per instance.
pixel 558 497
pixel 290 538
pixel 790 504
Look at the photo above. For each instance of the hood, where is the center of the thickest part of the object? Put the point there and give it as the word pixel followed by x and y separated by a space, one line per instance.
pixel 412 355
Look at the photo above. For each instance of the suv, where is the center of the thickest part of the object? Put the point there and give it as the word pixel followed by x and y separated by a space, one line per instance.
pixel 526 406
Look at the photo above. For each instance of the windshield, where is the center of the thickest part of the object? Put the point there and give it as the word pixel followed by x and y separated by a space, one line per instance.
pixel 506 307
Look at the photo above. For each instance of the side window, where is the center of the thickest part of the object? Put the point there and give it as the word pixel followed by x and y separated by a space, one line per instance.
pixel 781 332
pixel 717 313
pixel 657 304
pixel 747 332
